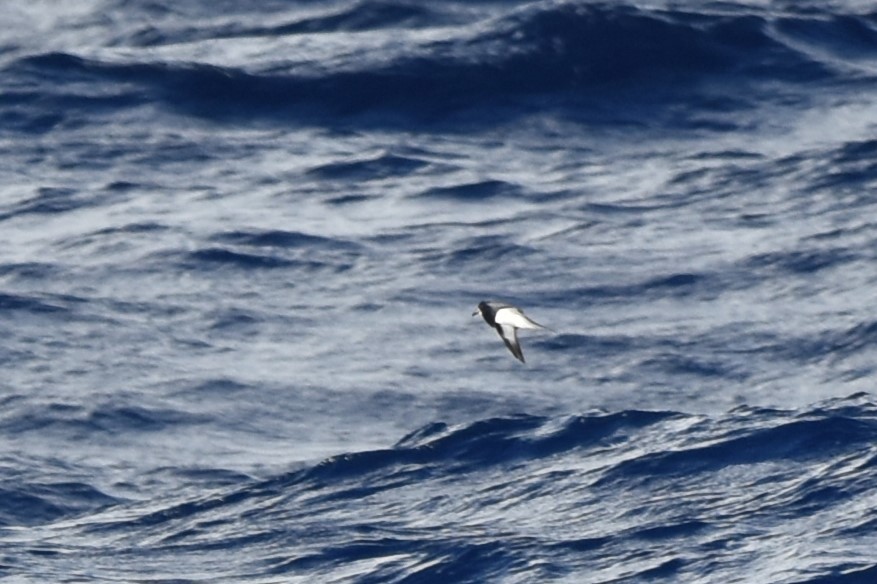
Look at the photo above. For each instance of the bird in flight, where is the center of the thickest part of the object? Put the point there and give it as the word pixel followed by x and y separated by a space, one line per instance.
pixel 507 319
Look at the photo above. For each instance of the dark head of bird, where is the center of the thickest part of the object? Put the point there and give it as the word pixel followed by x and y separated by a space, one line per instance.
pixel 487 312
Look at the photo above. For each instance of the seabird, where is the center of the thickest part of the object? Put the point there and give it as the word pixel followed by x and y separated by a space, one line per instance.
pixel 507 319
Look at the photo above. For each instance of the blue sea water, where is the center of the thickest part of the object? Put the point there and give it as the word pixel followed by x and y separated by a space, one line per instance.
pixel 240 244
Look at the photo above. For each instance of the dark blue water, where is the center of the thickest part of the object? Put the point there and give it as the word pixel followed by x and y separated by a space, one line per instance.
pixel 240 245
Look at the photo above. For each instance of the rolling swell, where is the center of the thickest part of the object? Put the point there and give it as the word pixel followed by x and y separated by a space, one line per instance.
pixel 29 503
pixel 241 246
pixel 524 497
pixel 358 16
pixel 274 250
pixel 562 50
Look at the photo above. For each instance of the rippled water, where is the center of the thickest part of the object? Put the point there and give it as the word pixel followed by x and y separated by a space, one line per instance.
pixel 240 247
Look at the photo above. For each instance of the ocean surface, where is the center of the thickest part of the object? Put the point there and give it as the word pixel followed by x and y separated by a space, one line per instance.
pixel 241 243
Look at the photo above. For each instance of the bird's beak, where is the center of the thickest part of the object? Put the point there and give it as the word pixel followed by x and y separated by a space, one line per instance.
pixel 476 313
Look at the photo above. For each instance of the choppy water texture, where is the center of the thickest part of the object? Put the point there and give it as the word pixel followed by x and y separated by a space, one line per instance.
pixel 240 244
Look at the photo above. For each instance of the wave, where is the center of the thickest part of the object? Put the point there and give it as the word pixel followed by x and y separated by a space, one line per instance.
pixel 381 167
pixel 352 17
pixel 272 250
pixel 48 201
pixel 35 503
pixel 475 192
pixel 285 239
pixel 79 421
pixel 531 497
pixel 63 305
pixel 557 53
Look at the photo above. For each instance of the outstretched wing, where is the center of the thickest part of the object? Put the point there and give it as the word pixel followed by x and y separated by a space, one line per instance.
pixel 510 316
pixel 509 336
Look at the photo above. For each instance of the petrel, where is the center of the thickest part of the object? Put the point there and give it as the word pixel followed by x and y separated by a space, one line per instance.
pixel 507 319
